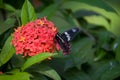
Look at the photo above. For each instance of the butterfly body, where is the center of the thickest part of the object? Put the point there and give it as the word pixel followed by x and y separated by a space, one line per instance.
pixel 64 39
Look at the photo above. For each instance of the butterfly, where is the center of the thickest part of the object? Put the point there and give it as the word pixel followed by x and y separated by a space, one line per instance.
pixel 64 39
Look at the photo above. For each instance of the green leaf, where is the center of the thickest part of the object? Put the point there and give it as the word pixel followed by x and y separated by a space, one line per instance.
pixel 28 13
pixel 74 74
pixel 17 61
pixel 116 48
pixel 101 69
pixel 107 15
pixel 114 4
pixel 77 6
pixel 81 52
pixel 112 73
pixel 7 51
pixel 49 11
pixel 49 72
pixel 98 20
pixel 45 70
pixel 35 59
pixel 36 76
pixel 4 26
pixel 60 18
pixel 7 7
pixel 1 2
pixel 98 3
pixel 15 76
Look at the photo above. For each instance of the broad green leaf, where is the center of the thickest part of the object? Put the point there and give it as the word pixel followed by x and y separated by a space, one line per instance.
pixel 59 18
pixel 81 52
pixel 49 11
pixel 35 59
pixel 76 6
pixel 49 72
pixel 97 3
pixel 15 76
pixel 45 70
pixel 112 73
pixel 17 61
pixel 98 20
pixel 100 69
pixel 7 25
pixel 37 76
pixel 113 26
pixel 7 7
pixel 114 4
pixel 28 13
pixel 7 51
pixel 74 74
pixel 112 16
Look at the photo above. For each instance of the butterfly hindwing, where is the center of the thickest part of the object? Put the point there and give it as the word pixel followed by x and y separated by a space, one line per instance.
pixel 63 43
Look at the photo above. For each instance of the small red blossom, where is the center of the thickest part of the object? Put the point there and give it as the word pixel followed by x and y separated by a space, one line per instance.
pixel 1 72
pixel 35 37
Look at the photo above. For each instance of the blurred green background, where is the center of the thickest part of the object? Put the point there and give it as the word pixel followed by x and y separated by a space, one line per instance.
pixel 95 51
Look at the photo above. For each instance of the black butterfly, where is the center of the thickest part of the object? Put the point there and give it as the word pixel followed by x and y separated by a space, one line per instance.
pixel 64 39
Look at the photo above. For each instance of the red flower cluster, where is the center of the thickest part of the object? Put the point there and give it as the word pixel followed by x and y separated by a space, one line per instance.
pixel 35 37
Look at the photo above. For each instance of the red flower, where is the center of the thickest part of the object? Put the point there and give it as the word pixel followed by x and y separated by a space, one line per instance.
pixel 35 37
pixel 1 72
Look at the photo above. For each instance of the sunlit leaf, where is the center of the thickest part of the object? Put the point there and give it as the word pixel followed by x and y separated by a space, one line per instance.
pixel 98 20
pixel 76 6
pixel 97 3
pixel 112 16
pixel 28 13
pixel 35 59
pixel 15 76
pixel 7 51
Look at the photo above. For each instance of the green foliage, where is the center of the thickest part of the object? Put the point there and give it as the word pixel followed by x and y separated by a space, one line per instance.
pixel 95 51
pixel 15 76
pixel 4 26
pixel 35 59
pixel 27 13
pixel 7 51
pixel 45 70
pixel 7 7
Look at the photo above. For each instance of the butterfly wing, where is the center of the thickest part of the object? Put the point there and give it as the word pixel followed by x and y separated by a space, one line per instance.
pixel 69 35
pixel 64 39
pixel 65 46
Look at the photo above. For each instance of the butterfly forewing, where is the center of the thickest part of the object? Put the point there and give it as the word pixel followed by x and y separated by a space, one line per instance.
pixel 64 39
pixel 69 35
